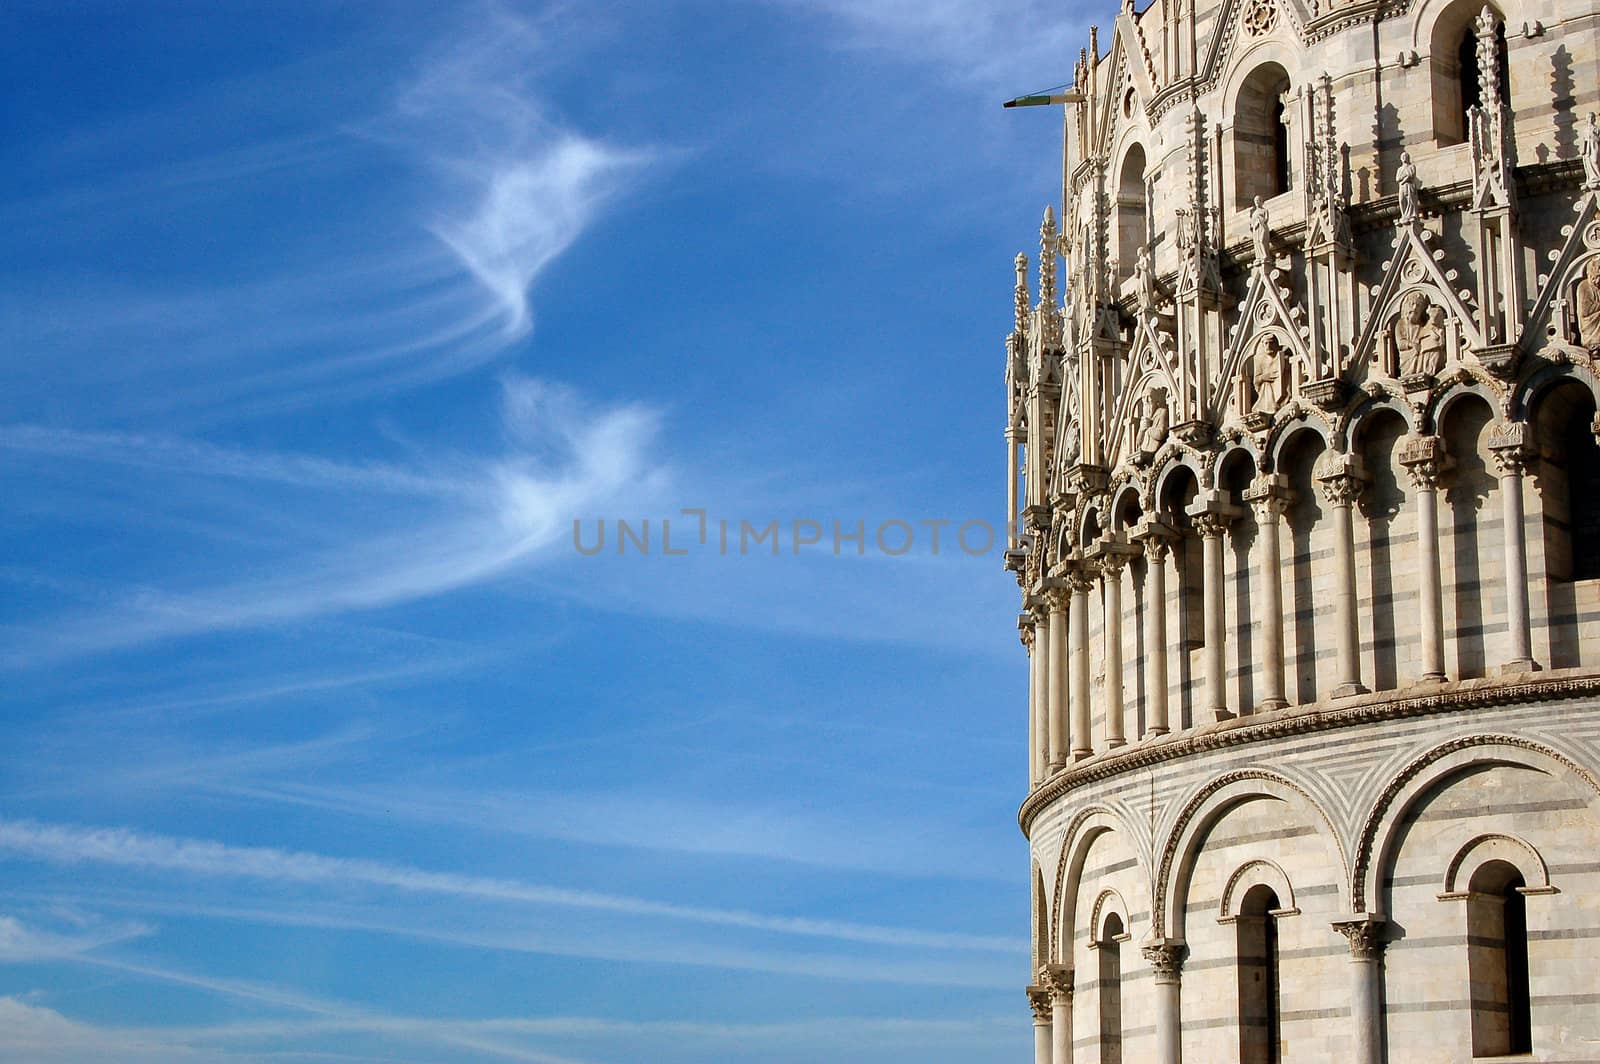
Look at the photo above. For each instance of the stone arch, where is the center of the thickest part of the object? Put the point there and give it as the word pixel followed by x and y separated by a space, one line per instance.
pixel 1084 829
pixel 1164 478
pixel 1262 148
pixel 1202 810
pixel 1284 433
pixel 1451 46
pixel 1132 207
pixel 1259 871
pixel 1530 392
pixel 1108 901
pixel 1125 497
pixel 1459 390
pixel 1356 424
pixel 1497 846
pixel 1375 845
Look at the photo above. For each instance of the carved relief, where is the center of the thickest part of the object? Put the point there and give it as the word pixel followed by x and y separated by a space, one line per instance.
pixel 1420 337
pixel 1405 180
pixel 1588 305
pixel 1154 423
pixel 1263 385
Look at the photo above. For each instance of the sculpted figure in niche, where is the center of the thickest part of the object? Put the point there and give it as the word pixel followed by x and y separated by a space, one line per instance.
pixel 1408 333
pixel 1261 232
pixel 1406 180
pixel 1144 276
pixel 1155 421
pixel 1266 376
pixel 1431 343
pixel 1589 307
pixel 1589 150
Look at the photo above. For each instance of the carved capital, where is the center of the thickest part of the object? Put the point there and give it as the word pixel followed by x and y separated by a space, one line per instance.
pixel 1211 525
pixel 1269 495
pixel 1212 513
pixel 1165 959
pixel 1364 933
pixel 1340 478
pixel 1155 535
pixel 1509 444
pixel 1425 460
pixel 1080 581
pixel 1039 1002
pixel 1057 980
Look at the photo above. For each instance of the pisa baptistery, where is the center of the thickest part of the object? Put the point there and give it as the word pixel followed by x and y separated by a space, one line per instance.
pixel 1305 499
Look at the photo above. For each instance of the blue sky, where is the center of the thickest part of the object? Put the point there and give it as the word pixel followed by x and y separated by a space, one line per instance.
pixel 321 325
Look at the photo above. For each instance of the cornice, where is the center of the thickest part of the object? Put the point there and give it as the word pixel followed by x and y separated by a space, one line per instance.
pixel 1307 719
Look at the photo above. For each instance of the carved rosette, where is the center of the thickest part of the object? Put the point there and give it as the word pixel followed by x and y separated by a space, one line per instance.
pixel 1365 935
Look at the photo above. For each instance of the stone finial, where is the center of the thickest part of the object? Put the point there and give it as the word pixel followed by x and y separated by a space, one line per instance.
pixel 1049 245
pixel 1020 293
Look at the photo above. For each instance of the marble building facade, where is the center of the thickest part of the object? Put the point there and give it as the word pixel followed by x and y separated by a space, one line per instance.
pixel 1305 488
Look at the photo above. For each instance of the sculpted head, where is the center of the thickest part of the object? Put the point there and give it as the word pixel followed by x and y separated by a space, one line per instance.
pixel 1591 272
pixel 1416 308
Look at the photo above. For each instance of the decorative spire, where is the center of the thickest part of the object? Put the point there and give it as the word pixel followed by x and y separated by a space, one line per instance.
pixel 1020 294
pixel 1049 243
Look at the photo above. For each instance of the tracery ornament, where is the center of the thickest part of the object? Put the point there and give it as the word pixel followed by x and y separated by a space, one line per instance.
pixel 1260 16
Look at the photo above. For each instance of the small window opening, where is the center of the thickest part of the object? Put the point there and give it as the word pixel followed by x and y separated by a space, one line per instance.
pixel 1497 961
pixel 1260 1039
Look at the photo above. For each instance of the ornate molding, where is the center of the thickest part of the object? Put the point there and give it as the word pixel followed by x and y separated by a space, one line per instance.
pixel 1309 719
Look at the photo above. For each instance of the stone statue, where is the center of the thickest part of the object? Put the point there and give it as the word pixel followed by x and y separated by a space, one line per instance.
pixel 1406 181
pixel 1156 421
pixel 1432 339
pixel 1266 376
pixel 1589 307
pixel 1071 444
pixel 1589 150
pixel 1261 232
pixel 1408 333
pixel 1144 276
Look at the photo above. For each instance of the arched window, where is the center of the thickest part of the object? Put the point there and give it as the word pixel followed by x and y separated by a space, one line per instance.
pixel 1569 479
pixel 1110 950
pixel 1257 930
pixel 1262 162
pixel 1132 212
pixel 1457 75
pixel 1497 961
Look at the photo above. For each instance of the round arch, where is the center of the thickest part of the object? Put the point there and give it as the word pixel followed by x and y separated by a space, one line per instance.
pixel 1376 844
pixel 1085 828
pixel 1201 811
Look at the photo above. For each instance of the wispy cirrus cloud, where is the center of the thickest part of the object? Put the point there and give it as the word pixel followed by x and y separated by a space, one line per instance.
pixel 119 847
pixel 461 520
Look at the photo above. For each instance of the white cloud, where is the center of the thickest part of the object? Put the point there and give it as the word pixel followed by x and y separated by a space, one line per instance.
pixel 118 847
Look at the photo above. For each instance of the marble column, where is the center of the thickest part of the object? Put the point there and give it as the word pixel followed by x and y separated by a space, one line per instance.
pixel 1112 564
pixel 1058 977
pixel 1426 462
pixel 1056 681
pixel 1211 525
pixel 1034 628
pixel 1269 497
pixel 1082 741
pixel 1365 935
pixel 1166 967
pixel 1341 480
pixel 1039 1001
pixel 1513 456
pixel 1014 438
pixel 1155 649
